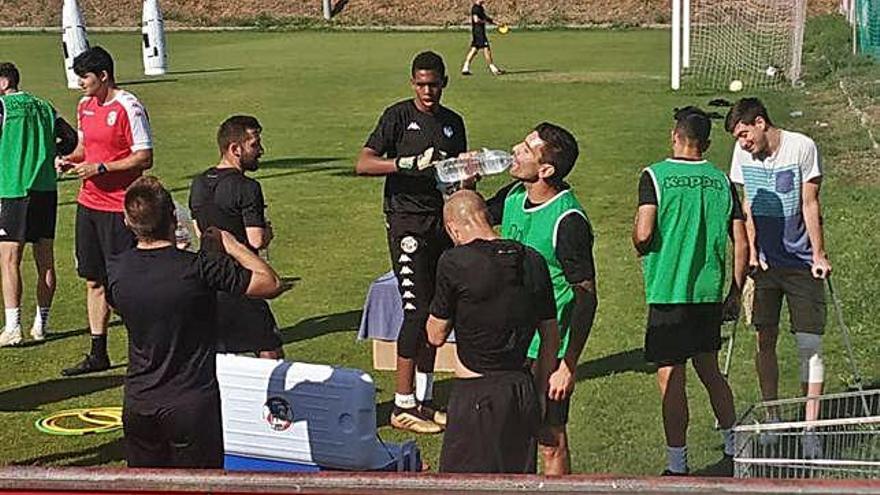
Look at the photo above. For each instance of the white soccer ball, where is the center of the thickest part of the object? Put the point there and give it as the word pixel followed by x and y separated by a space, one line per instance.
pixel 771 71
pixel 735 86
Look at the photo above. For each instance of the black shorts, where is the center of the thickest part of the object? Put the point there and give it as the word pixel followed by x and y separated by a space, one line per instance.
pixel 492 423
pixel 415 243
pixel 678 332
pixel 245 325
pixel 804 294
pixel 186 435
pixel 556 413
pixel 30 218
pixel 100 237
pixel 479 39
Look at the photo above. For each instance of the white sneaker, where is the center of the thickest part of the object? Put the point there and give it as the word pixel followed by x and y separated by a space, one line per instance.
pixel 38 334
pixel 10 337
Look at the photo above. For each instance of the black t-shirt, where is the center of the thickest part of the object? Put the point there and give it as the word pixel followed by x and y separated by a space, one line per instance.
pixel 479 28
pixel 167 299
pixel 227 199
pixel 495 293
pixel 648 196
pixel 574 239
pixel 405 131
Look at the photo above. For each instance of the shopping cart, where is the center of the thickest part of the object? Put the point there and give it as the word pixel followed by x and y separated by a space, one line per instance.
pixel 773 439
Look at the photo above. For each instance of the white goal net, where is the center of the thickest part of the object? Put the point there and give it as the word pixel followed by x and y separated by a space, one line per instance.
pixel 757 42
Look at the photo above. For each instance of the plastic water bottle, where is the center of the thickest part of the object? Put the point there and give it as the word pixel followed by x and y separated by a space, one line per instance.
pixel 183 231
pixel 486 162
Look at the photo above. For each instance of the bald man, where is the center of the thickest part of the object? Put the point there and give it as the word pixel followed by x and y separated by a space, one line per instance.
pixel 495 293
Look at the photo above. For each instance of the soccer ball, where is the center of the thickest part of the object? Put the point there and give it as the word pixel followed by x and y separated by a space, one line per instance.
pixel 771 71
pixel 735 86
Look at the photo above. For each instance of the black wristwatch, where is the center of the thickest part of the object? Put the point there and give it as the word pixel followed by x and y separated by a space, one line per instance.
pixel 102 169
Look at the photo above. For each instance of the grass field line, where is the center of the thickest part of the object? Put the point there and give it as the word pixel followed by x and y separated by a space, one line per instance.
pixel 864 119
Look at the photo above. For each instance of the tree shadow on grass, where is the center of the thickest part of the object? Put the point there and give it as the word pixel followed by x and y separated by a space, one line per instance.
pixel 301 162
pixel 290 170
pixel 30 397
pixel 632 360
pixel 202 71
pixel 141 82
pixel 321 325
pixel 526 71
pixel 107 452
pixel 63 334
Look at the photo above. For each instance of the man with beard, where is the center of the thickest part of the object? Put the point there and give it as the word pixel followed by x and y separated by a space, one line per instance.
pixel 225 198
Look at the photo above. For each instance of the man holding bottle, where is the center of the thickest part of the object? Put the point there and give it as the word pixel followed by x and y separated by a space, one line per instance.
pixel 409 137
pixel 541 211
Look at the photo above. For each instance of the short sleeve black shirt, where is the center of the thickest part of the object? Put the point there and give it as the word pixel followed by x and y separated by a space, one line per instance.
pixel 495 293
pixel 574 239
pixel 405 131
pixel 227 199
pixel 167 299
pixel 480 13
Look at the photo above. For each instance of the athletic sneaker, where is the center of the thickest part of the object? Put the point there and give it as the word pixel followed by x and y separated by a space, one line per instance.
pixel 497 72
pixel 466 73
pixel 667 472
pixel 434 415
pixel 38 333
pixel 90 364
pixel 10 337
pixel 414 421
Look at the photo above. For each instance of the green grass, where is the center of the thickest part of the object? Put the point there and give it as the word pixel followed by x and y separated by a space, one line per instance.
pixel 318 96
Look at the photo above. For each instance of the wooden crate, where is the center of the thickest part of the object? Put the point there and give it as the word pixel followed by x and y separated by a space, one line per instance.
pixel 385 356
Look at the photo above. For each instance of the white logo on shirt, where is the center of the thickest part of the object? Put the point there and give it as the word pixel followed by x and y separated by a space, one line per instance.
pixel 111 118
pixel 88 113
pixel 413 126
pixel 447 131
pixel 3 232
pixel 409 244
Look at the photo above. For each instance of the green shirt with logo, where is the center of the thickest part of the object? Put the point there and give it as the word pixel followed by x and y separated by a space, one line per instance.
pixel 536 227
pixel 685 262
pixel 27 146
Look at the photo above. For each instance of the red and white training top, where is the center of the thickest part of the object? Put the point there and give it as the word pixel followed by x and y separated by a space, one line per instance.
pixel 111 132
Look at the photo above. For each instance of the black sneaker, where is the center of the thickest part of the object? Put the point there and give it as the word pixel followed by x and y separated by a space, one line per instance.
pixel 89 364
pixel 667 472
pixel 466 73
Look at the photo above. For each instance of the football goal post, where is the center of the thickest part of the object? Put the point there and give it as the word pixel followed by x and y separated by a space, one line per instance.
pixel 757 42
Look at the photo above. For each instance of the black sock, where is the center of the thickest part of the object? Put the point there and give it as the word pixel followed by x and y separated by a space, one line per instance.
pixel 99 347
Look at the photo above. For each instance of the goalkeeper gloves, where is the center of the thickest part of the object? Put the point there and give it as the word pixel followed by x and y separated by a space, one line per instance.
pixel 417 162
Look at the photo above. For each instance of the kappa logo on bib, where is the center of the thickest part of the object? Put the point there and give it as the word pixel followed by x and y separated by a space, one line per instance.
pixel 111 118
pixel 447 131
pixel 409 244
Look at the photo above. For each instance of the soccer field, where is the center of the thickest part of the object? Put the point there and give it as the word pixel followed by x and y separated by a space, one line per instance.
pixel 318 95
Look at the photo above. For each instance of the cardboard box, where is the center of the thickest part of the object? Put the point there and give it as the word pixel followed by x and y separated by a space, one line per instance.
pixel 385 356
